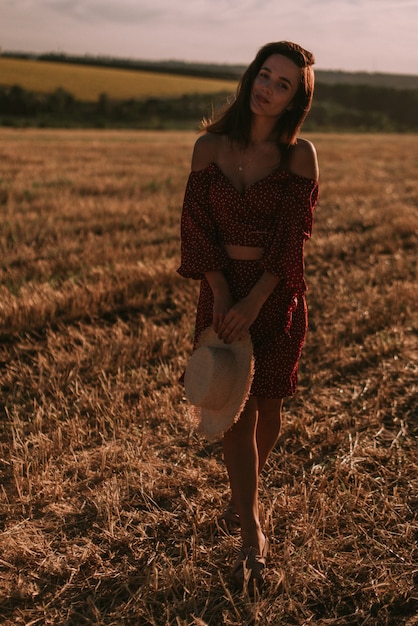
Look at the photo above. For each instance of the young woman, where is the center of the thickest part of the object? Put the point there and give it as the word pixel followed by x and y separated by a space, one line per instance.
pixel 247 212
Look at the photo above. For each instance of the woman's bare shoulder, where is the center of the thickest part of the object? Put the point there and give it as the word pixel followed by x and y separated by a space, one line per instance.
pixel 206 150
pixel 303 159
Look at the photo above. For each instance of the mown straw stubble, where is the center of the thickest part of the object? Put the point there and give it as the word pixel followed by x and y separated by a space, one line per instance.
pixel 108 498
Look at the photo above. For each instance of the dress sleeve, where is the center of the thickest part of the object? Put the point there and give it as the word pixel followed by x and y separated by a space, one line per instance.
pixel 201 250
pixel 284 257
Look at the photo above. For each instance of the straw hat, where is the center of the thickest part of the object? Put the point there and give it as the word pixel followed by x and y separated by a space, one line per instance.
pixel 217 382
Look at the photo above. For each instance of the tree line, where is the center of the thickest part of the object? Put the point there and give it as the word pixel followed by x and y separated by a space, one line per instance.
pixel 336 107
pixel 216 70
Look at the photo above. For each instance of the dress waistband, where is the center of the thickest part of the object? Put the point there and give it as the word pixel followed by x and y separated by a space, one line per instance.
pixel 244 253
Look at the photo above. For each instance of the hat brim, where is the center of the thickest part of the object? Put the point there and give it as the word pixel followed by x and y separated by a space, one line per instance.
pixel 212 424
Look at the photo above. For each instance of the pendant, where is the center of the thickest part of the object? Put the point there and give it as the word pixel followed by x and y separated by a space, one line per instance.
pixel 240 168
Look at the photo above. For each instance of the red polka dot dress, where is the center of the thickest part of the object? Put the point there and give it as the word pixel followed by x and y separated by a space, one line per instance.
pixel 274 213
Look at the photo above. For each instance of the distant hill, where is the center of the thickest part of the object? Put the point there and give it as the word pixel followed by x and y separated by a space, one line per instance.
pixel 59 90
pixel 222 71
pixel 375 79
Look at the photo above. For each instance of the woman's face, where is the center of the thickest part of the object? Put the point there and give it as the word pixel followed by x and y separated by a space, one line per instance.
pixel 275 86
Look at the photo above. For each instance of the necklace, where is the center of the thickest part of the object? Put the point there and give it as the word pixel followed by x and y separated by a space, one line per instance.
pixel 254 155
pixel 246 157
pixel 241 163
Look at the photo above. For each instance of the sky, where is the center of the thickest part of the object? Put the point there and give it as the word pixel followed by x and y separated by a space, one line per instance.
pixel 347 35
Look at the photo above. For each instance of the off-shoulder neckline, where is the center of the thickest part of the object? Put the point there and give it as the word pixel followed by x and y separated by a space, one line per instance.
pixel 275 171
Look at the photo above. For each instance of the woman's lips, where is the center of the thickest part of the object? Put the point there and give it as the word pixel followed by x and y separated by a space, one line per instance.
pixel 261 99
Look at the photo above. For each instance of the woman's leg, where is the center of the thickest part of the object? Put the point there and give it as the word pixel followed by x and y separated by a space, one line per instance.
pixel 268 428
pixel 268 425
pixel 242 462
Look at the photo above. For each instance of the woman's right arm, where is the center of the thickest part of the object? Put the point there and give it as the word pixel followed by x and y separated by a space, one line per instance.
pixel 206 151
pixel 201 254
pixel 222 297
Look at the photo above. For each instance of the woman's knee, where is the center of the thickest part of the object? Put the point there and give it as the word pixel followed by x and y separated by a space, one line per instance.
pixel 269 409
pixel 245 426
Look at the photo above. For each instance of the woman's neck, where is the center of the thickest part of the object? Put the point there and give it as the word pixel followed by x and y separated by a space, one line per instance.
pixel 262 130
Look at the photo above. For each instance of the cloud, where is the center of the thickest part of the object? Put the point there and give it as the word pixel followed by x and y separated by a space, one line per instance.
pixel 343 34
pixel 198 13
pixel 95 11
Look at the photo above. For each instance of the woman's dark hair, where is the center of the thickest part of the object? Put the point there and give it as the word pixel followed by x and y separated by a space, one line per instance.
pixel 235 120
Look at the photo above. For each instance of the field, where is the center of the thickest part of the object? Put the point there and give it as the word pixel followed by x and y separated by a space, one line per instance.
pixel 87 83
pixel 108 497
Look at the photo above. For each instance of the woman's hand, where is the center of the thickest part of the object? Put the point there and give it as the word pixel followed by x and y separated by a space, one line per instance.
pixel 243 313
pixel 222 298
pixel 237 321
pixel 222 303
pixel 232 321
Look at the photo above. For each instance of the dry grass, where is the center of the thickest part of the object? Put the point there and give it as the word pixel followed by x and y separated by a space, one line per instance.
pixel 108 498
pixel 87 83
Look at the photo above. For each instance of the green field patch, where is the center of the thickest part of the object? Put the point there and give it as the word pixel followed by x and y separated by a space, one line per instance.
pixel 87 83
